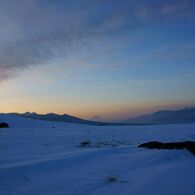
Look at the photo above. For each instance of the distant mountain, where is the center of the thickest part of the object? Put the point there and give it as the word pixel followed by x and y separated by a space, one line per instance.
pixel 166 116
pixel 161 117
pixel 57 118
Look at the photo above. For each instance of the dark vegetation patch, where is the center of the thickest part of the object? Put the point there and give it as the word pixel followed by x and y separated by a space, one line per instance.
pixel 110 179
pixel 4 125
pixel 85 143
pixel 100 144
pixel 189 145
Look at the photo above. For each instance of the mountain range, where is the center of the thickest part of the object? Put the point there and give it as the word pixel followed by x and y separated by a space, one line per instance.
pixel 56 117
pixel 186 115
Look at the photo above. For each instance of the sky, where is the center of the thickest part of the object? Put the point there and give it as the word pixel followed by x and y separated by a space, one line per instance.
pixel 97 59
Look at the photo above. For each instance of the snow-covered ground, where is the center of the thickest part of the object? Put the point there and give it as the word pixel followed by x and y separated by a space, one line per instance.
pixel 39 157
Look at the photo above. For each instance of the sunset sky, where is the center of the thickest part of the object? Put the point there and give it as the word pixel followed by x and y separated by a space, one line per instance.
pixel 97 59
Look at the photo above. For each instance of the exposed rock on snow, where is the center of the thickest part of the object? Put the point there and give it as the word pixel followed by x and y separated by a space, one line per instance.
pixel 189 145
pixel 4 125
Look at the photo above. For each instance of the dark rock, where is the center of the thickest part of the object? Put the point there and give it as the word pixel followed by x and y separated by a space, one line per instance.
pixel 85 143
pixel 189 145
pixel 152 145
pixel 4 125
pixel 111 179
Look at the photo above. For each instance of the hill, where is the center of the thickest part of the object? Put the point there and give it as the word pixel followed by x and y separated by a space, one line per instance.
pixel 166 116
pixel 57 118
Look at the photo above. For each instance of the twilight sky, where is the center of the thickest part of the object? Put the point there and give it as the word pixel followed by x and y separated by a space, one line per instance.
pixel 97 59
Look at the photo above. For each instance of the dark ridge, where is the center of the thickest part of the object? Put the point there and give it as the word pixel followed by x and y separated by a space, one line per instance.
pixel 189 145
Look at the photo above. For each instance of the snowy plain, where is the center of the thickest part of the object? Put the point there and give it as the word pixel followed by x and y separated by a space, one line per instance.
pixel 40 157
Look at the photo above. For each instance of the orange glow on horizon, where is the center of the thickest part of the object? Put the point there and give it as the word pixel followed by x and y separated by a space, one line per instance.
pixel 106 111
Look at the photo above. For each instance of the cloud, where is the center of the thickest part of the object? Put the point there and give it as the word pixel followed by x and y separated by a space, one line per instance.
pixel 96 118
pixel 181 51
pixel 173 9
pixel 34 31
pixel 4 73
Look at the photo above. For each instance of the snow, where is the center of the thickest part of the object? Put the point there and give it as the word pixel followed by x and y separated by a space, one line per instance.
pixel 36 158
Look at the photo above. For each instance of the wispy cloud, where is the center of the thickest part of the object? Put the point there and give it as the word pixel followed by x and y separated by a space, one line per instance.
pixel 34 31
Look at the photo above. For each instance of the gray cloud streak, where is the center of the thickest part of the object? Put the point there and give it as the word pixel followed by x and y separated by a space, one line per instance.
pixel 34 31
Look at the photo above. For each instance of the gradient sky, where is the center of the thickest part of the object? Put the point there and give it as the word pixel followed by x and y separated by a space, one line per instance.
pixel 97 59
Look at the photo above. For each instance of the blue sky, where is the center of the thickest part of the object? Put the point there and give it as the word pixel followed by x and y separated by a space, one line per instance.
pixel 111 59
